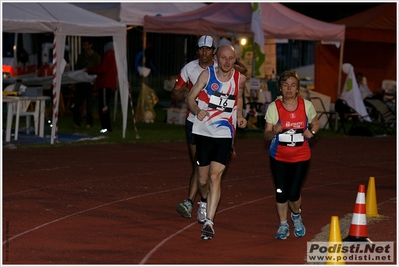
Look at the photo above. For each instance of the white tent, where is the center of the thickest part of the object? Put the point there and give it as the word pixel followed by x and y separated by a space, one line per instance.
pixel 64 19
pixel 109 10
pixel 133 13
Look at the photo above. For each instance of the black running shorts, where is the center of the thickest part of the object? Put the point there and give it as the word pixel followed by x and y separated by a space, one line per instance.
pixel 212 149
pixel 189 133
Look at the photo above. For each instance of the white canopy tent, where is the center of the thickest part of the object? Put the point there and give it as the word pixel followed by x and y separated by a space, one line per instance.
pixel 109 10
pixel 64 19
pixel 132 13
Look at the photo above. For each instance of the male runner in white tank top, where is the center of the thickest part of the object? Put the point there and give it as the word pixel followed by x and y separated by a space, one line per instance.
pixel 216 101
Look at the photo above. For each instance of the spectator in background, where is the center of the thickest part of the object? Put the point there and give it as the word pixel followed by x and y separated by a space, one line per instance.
pixel 85 91
pixel 106 84
pixel 365 91
pixel 149 57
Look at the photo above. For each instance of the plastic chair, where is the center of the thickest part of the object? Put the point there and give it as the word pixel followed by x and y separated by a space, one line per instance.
pixel 389 90
pixel 383 119
pixel 9 102
pixel 346 114
pixel 389 85
pixel 321 111
pixel 24 110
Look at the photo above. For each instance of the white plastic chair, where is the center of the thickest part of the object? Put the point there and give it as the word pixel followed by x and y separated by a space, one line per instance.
pixel 389 85
pixel 24 106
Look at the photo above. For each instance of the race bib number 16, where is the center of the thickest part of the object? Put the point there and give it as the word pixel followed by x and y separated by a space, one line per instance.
pixel 222 102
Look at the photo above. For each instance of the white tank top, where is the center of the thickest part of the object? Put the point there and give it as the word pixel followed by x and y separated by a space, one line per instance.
pixel 220 100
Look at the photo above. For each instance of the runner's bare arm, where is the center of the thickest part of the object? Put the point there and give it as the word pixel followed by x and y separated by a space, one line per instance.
pixel 179 92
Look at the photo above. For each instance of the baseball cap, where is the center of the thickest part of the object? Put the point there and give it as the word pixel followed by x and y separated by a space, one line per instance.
pixel 206 40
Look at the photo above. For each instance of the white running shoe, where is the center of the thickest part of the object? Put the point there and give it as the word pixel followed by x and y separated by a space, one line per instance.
pixel 207 230
pixel 201 215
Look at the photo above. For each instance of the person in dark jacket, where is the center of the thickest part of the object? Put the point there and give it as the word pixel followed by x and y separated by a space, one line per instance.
pixel 85 91
pixel 106 84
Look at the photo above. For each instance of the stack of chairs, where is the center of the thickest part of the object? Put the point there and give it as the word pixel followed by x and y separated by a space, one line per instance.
pixel 346 114
pixel 383 119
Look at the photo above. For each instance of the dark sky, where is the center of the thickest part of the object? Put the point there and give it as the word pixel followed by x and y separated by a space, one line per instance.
pixel 329 12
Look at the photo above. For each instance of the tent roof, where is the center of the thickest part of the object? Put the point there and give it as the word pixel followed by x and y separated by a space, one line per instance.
pixel 235 19
pixel 216 18
pixel 109 10
pixel 133 13
pixel 63 18
pixel 376 24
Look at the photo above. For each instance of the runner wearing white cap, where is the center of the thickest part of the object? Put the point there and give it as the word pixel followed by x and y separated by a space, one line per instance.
pixel 187 78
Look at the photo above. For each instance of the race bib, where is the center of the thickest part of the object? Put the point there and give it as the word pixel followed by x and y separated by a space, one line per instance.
pixel 291 138
pixel 222 102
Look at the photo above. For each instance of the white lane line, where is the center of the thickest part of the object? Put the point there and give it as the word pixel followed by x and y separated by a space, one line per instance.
pixel 83 211
pixel 160 244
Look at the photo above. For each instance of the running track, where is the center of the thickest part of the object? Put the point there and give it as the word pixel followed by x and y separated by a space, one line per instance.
pixel 115 204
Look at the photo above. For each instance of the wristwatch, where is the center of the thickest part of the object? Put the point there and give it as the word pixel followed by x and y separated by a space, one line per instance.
pixel 313 132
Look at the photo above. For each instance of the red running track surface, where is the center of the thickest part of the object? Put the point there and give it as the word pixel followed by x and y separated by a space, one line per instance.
pixel 115 204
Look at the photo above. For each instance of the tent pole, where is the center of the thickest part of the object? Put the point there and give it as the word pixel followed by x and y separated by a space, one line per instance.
pixel 341 56
pixel 144 46
pixel 185 50
pixel 253 58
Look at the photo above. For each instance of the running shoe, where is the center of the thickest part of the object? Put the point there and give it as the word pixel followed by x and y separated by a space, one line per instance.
pixel 185 208
pixel 283 231
pixel 207 230
pixel 299 228
pixel 201 215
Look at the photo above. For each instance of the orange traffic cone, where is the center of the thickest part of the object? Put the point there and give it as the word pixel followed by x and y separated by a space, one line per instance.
pixel 358 228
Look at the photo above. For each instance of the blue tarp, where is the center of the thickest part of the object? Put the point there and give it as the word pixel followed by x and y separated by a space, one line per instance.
pixel 32 139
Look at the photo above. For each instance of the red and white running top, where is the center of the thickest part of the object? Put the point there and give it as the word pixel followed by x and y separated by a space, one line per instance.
pixel 220 100
pixel 189 74
pixel 290 145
